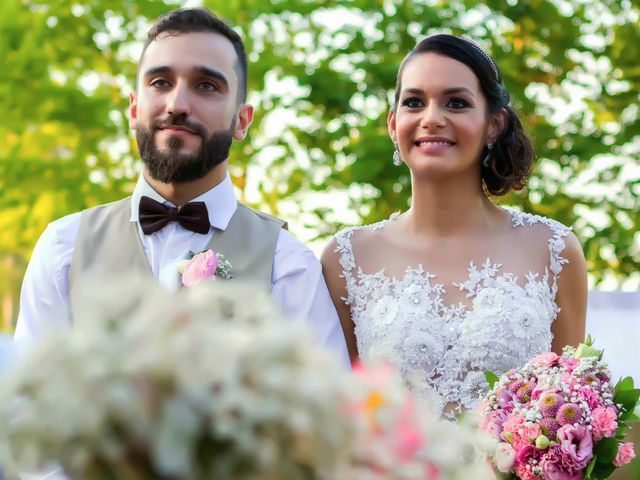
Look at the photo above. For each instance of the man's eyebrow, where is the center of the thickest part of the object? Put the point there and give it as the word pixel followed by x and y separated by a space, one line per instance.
pixel 209 72
pixel 202 70
pixel 157 70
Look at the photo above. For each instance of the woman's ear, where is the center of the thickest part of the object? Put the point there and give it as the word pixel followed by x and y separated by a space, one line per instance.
pixel 497 123
pixel 391 126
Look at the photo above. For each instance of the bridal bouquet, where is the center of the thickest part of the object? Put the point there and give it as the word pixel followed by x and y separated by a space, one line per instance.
pixel 203 384
pixel 559 417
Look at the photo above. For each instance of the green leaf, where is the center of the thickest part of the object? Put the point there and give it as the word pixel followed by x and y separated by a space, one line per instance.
pixel 603 471
pixel 592 463
pixel 624 384
pixel 628 399
pixel 606 450
pixel 491 377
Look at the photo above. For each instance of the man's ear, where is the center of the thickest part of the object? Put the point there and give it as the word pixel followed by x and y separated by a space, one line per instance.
pixel 133 111
pixel 497 123
pixel 243 120
pixel 391 126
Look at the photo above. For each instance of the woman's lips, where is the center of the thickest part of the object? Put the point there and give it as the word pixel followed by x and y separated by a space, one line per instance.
pixel 433 146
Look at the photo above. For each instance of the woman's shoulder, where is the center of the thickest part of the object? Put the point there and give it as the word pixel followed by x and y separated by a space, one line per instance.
pixel 562 243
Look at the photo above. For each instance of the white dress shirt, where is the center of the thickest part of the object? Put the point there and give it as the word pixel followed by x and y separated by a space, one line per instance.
pixel 297 282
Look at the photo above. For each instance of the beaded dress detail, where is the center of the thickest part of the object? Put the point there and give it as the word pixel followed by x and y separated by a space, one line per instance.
pixel 441 349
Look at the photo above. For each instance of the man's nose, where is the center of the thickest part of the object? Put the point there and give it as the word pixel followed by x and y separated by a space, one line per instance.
pixel 178 100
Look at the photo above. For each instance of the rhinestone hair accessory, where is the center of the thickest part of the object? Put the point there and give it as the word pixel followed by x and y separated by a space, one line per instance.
pixel 494 67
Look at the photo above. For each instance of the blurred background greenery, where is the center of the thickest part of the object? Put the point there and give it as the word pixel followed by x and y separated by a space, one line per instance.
pixel 321 75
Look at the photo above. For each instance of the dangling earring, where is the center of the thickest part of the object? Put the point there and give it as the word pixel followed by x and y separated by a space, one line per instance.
pixel 487 158
pixel 397 161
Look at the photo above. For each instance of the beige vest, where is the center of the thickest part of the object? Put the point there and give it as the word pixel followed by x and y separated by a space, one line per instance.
pixel 108 244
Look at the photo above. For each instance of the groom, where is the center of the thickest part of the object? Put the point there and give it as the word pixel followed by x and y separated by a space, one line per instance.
pixel 188 107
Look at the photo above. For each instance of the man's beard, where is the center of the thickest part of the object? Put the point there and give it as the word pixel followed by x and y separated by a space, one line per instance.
pixel 171 166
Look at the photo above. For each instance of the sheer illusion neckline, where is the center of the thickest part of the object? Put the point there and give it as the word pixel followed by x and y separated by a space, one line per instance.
pixel 472 281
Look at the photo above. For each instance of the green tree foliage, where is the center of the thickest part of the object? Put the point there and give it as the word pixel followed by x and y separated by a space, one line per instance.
pixel 321 75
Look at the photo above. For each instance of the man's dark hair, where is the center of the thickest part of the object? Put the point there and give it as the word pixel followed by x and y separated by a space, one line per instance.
pixel 190 20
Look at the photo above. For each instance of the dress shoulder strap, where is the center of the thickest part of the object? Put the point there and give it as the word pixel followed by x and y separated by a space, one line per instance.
pixel 556 241
pixel 347 261
pixel 344 247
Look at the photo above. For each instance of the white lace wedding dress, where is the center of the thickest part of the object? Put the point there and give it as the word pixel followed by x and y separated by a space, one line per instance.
pixel 443 343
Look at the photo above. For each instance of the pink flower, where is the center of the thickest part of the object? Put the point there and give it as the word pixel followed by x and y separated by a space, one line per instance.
pixel 549 403
pixel 201 267
pixel 604 422
pixel 524 474
pixel 568 413
pixel 552 467
pixel 625 454
pixel 526 453
pixel 576 446
pixel 549 427
pixel 524 392
pixel 532 431
pixel 569 363
pixel 545 360
pixel 591 397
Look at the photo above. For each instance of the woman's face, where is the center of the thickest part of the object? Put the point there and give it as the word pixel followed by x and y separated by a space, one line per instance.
pixel 441 123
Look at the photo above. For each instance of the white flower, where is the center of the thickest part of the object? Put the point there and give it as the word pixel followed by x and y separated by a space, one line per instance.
pixel 505 457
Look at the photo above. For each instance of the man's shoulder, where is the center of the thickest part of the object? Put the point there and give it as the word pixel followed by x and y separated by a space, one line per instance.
pixel 262 215
pixel 105 208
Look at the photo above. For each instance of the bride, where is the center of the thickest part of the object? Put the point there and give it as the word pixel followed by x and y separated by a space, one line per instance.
pixel 456 285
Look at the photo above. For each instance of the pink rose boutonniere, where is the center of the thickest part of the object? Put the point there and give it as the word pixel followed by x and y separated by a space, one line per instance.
pixel 203 266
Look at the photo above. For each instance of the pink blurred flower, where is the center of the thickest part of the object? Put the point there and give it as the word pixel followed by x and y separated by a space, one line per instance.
pixel 625 454
pixel 604 422
pixel 201 267
pixel 407 438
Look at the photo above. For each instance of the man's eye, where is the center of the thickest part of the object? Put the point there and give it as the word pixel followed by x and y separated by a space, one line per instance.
pixel 412 102
pixel 159 83
pixel 208 86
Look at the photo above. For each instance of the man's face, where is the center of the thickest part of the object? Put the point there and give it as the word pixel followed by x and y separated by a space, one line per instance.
pixel 185 112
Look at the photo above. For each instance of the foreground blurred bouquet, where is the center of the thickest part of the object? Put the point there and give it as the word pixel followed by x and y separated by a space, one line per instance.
pixel 559 417
pixel 211 383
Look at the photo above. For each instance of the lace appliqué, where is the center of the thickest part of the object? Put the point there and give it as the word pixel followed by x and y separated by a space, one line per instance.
pixel 443 350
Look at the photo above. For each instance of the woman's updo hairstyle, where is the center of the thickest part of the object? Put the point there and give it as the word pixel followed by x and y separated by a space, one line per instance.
pixel 511 159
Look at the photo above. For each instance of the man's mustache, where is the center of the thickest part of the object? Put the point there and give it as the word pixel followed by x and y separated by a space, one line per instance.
pixel 179 121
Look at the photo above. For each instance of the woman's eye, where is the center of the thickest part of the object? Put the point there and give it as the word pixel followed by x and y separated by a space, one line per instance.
pixel 412 102
pixel 457 103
